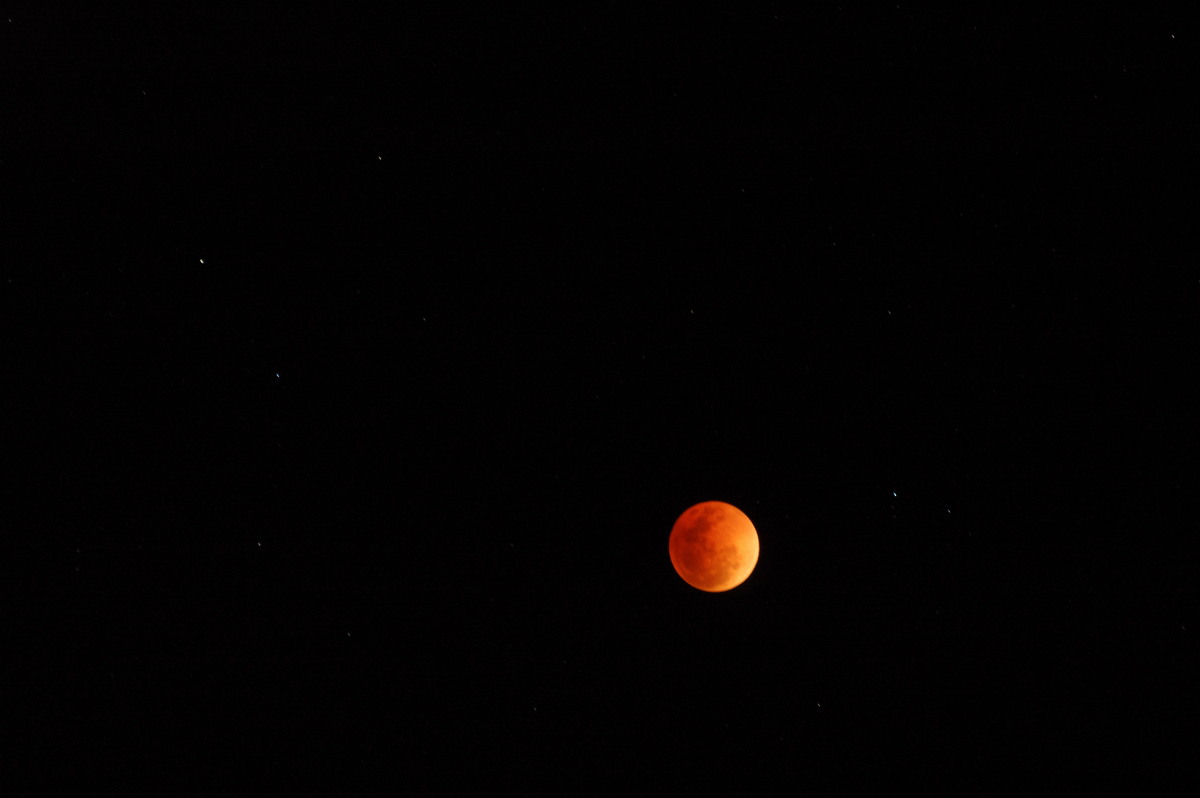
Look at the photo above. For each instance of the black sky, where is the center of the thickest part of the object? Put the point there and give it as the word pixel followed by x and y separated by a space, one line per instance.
pixel 357 367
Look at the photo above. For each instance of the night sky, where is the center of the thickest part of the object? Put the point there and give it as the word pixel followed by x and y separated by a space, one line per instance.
pixel 356 367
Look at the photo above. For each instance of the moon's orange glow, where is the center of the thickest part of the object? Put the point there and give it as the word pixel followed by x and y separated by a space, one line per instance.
pixel 713 546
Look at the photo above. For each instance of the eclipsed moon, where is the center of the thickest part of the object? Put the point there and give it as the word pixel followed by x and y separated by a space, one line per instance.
pixel 713 546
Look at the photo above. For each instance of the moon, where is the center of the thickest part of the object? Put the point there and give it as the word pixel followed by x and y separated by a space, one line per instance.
pixel 713 546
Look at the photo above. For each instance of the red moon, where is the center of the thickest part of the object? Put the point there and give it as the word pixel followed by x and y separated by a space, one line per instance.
pixel 713 546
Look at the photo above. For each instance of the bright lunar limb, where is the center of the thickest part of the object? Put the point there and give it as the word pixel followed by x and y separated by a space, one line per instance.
pixel 714 546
